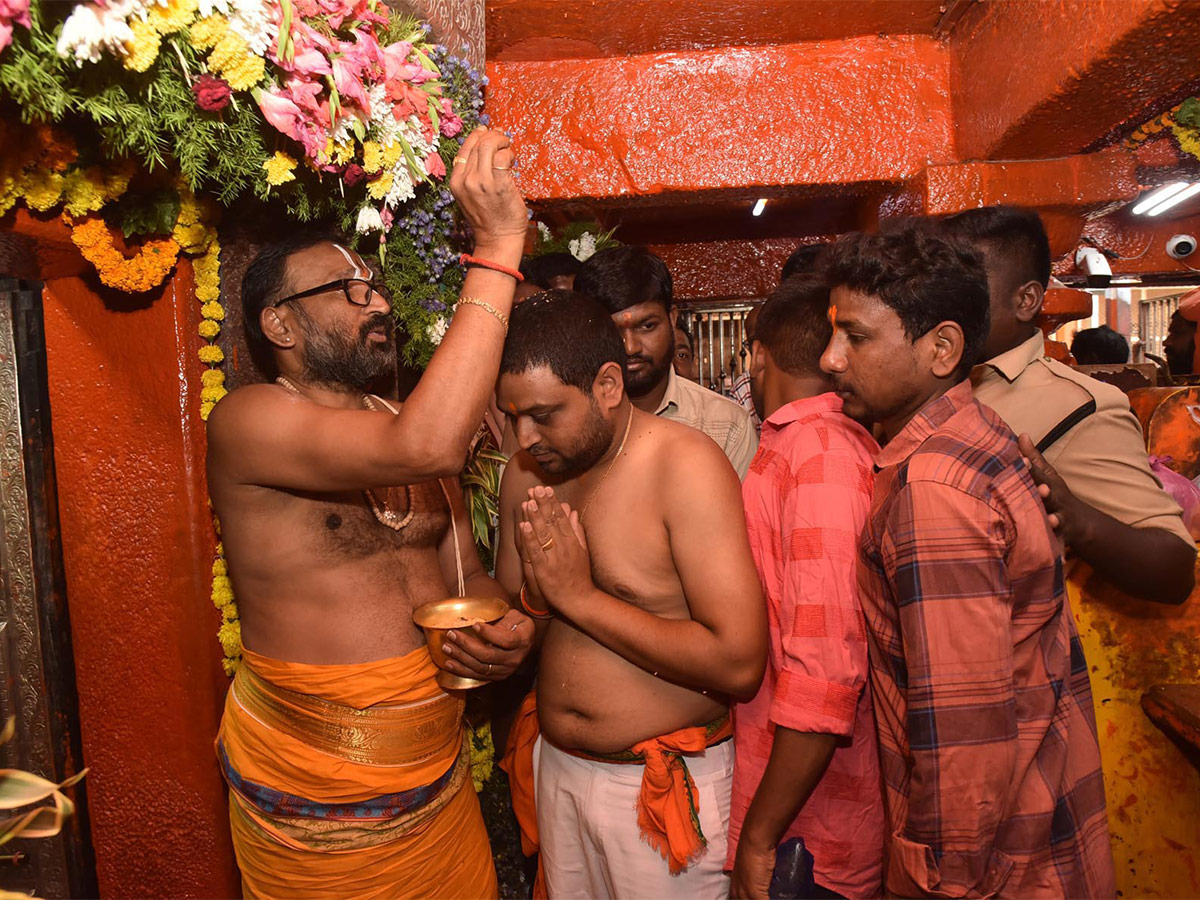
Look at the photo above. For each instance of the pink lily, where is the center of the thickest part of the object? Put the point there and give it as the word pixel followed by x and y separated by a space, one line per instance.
pixel 435 167
pixel 284 115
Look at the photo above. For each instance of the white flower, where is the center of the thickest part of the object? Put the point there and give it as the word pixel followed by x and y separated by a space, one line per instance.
pixel 90 29
pixel 583 247
pixel 402 188
pixel 368 220
pixel 437 331
pixel 544 232
pixel 255 22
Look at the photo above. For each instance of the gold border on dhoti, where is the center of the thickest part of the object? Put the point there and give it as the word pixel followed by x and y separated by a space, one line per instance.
pixel 407 735
pixel 342 835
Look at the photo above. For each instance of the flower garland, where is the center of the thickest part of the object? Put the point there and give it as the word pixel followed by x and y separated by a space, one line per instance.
pixel 1183 121
pixel 207 269
pixel 146 269
pixel 483 753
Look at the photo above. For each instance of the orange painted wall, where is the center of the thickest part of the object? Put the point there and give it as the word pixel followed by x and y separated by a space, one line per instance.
pixel 863 109
pixel 1045 78
pixel 130 460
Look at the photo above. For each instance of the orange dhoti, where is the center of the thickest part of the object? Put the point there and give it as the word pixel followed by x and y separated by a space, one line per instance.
pixel 351 781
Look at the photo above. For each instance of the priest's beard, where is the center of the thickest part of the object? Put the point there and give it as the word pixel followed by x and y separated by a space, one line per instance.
pixel 339 360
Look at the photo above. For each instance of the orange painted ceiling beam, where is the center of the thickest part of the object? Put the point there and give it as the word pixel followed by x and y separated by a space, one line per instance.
pixel 562 29
pixel 1035 79
pixel 824 113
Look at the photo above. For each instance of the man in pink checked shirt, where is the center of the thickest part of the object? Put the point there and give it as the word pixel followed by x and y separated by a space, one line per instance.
pixel 807 763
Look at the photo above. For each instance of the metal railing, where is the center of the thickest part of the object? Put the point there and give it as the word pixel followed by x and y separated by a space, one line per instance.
pixel 1153 320
pixel 718 333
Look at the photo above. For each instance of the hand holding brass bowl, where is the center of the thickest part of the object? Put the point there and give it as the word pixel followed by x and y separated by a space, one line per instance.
pixel 442 616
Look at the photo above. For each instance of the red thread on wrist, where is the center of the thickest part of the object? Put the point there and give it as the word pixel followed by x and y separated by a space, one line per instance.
pixel 468 260
pixel 530 611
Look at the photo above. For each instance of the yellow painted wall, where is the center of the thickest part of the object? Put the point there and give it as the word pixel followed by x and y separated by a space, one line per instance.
pixel 1153 789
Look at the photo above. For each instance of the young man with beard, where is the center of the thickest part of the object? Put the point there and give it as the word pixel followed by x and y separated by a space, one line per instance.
pixel 1085 444
pixel 807 764
pixel 635 287
pixel 649 606
pixel 987 734
pixel 346 763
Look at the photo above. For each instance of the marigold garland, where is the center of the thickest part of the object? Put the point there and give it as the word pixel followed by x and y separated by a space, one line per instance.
pixel 146 269
pixel 483 753
pixel 207 270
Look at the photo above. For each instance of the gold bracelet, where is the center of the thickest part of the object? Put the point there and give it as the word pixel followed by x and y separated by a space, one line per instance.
pixel 486 307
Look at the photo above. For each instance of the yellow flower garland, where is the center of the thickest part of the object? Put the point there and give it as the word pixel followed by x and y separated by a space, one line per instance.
pixel 146 269
pixel 207 269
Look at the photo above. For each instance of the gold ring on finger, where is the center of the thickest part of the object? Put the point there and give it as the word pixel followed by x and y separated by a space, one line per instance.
pixel 459 159
pixel 502 168
pixel 548 543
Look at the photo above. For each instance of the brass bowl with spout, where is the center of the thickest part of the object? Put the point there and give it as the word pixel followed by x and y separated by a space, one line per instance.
pixel 440 617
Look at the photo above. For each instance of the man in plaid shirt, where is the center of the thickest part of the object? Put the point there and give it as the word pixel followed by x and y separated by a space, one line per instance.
pixel 991 766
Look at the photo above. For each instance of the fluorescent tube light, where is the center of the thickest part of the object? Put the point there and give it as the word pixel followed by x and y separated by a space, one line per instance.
pixel 1158 195
pixel 1176 199
pixel 759 207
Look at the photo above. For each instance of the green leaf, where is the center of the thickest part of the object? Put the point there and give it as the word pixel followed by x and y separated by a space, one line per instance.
pixel 146 214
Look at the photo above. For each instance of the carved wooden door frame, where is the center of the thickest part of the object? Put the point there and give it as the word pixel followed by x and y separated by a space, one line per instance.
pixel 37 667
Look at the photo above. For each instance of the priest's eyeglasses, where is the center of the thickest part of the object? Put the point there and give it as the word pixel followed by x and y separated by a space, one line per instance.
pixel 358 291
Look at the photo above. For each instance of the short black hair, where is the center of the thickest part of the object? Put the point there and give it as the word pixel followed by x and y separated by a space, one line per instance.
pixel 541 270
pixel 923 275
pixel 621 277
pixel 794 324
pixel 1015 235
pixel 266 281
pixel 804 260
pixel 1100 346
pixel 565 331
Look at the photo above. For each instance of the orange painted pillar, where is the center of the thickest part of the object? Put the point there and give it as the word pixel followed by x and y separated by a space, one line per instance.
pixel 129 453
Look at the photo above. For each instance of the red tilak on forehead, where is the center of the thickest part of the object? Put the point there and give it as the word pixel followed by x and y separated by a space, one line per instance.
pixel 626 318
pixel 512 408
pixel 832 313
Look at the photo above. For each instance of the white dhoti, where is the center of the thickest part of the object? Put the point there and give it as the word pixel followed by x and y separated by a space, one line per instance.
pixel 590 843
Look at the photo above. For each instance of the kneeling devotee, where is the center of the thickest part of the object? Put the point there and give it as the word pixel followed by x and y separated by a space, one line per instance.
pixel 987 735
pixel 807 764
pixel 624 535
pixel 346 763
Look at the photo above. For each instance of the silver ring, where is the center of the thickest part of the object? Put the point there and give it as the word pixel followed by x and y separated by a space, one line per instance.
pixel 489 671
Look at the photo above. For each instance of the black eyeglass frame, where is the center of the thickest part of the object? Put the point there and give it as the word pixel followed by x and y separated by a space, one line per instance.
pixel 344 284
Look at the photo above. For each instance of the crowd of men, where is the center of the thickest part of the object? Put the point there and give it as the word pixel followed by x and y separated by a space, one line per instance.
pixel 829 646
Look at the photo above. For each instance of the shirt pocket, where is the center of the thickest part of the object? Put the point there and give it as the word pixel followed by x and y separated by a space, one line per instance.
pixel 913 871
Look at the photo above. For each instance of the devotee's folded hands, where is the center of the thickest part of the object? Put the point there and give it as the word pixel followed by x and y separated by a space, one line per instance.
pixel 554 550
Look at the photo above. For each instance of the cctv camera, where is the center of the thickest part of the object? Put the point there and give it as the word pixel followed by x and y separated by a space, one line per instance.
pixel 1181 246
pixel 1092 263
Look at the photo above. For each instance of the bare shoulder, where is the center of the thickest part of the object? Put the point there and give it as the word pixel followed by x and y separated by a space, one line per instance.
pixel 244 406
pixel 683 455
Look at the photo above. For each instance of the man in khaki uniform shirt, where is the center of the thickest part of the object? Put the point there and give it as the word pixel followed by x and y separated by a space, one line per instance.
pixel 1111 509
pixel 635 287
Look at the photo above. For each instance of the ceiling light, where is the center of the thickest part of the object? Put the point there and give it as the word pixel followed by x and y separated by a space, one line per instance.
pixel 1176 199
pixel 759 207
pixel 1158 195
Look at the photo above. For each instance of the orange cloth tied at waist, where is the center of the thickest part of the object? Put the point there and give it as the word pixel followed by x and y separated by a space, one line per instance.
pixel 668 804
pixel 323 737
pixel 369 767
